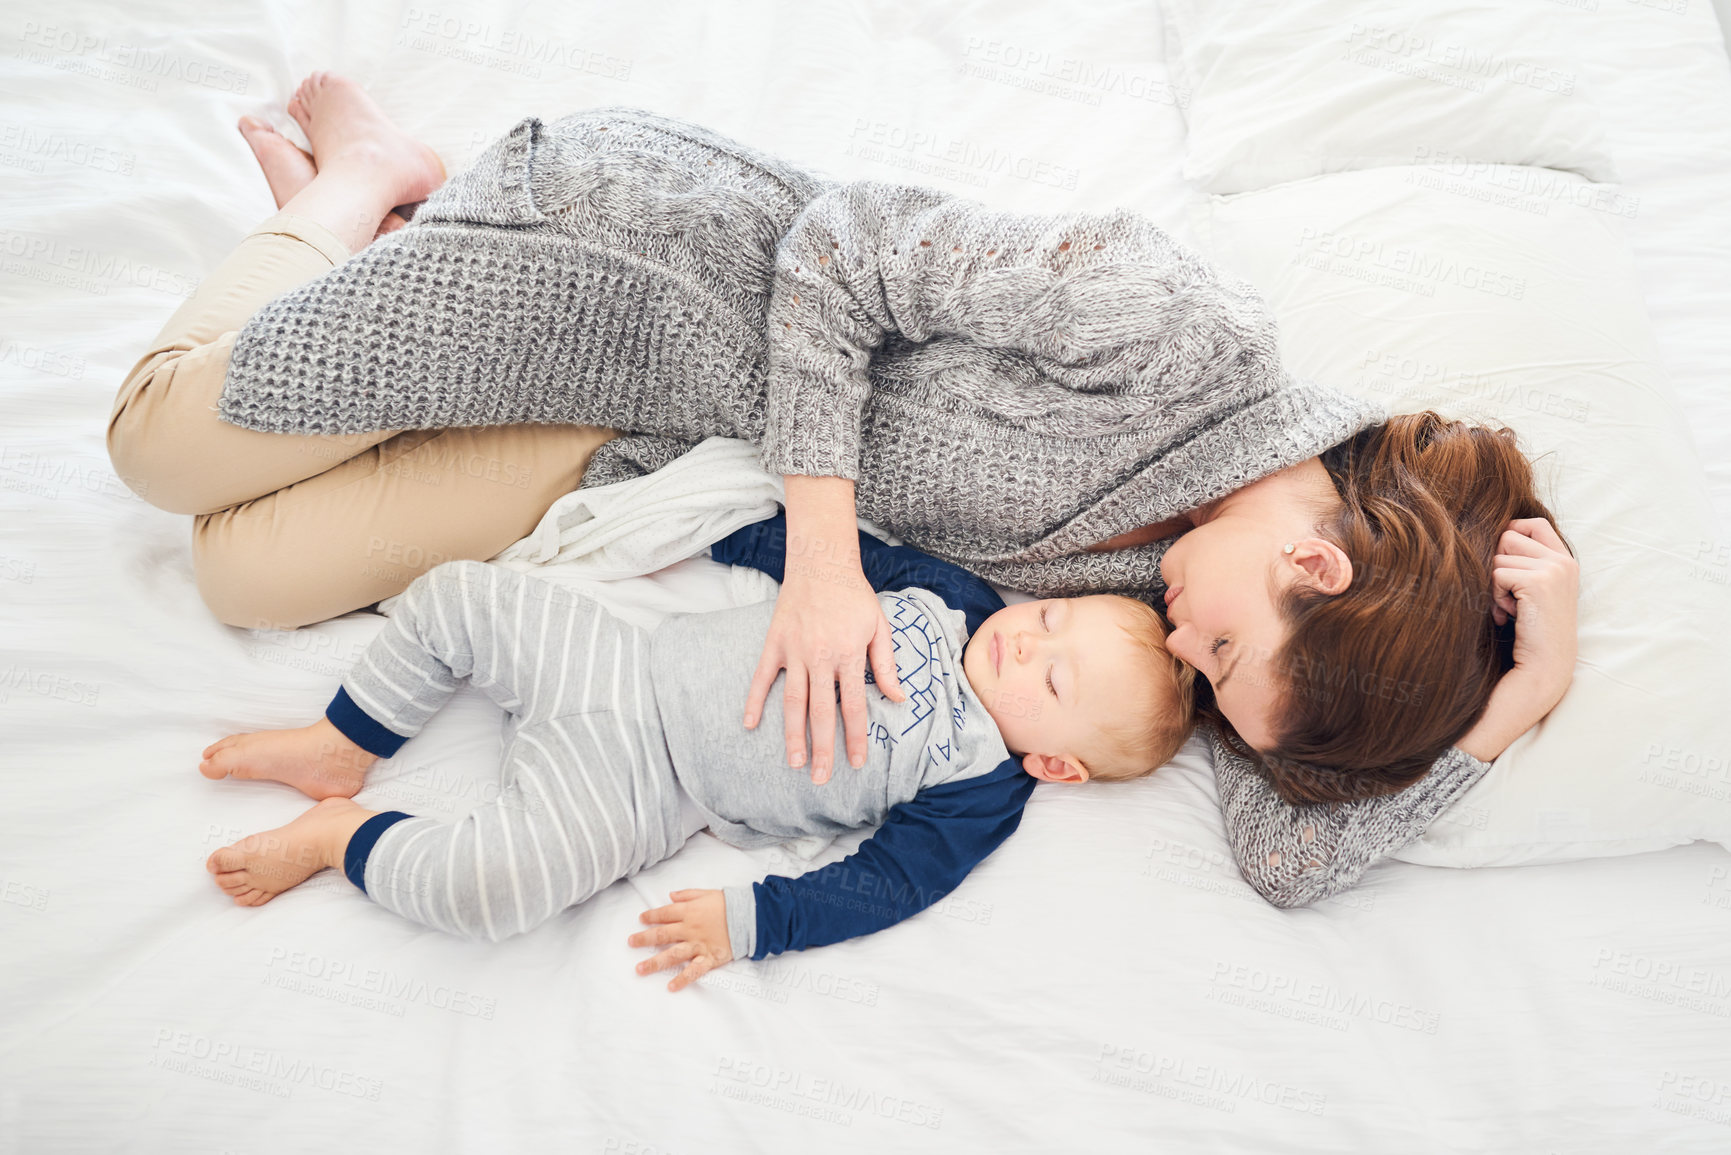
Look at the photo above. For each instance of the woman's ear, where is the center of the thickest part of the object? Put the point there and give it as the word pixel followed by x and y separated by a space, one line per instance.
pixel 1322 565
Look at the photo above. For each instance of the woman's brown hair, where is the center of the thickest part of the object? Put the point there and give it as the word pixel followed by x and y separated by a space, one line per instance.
pixel 1383 677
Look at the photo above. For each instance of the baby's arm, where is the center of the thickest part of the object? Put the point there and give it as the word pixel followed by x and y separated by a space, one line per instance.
pixel 696 925
pixel 920 854
pixel 461 619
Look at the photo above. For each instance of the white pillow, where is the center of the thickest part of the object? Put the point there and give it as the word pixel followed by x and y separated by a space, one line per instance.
pixel 1428 291
pixel 1279 90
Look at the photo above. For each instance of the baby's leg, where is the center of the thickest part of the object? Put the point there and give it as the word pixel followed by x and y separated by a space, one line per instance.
pixel 318 760
pixel 261 866
pixel 588 799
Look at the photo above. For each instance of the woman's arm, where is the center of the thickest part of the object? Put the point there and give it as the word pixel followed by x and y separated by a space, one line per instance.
pixel 828 623
pixel 1538 582
pixel 1118 321
pixel 1295 855
pixel 1116 317
pixel 1515 707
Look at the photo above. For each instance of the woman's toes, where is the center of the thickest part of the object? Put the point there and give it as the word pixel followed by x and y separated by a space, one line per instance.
pixel 350 132
pixel 287 168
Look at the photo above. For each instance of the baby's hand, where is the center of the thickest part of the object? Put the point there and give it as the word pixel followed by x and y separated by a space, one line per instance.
pixel 696 925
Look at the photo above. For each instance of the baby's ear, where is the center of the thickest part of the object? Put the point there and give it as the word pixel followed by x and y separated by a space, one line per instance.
pixel 1051 768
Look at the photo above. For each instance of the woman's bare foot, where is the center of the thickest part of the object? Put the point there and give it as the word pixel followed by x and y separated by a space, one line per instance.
pixel 366 166
pixel 318 760
pixel 261 866
pixel 349 131
pixel 288 168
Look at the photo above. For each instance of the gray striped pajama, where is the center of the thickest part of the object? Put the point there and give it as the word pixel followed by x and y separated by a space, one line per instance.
pixel 588 794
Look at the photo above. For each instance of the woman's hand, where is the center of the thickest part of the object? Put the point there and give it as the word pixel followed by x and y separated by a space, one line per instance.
pixel 1538 582
pixel 827 623
pixel 696 924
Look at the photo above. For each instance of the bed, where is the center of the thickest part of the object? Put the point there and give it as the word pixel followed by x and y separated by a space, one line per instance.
pixel 1106 978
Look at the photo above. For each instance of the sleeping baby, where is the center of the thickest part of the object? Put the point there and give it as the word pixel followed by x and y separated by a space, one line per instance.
pixel 623 742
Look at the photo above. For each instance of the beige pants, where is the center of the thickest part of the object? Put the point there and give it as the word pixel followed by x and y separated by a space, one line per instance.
pixel 291 529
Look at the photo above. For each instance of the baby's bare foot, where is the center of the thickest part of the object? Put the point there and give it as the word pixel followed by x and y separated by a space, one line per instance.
pixel 288 168
pixel 261 866
pixel 318 760
pixel 349 132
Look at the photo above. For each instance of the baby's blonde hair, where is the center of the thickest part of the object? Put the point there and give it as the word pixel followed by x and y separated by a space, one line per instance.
pixel 1158 725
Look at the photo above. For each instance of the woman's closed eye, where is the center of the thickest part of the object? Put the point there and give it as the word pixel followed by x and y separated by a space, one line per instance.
pixel 1221 673
pixel 1049 685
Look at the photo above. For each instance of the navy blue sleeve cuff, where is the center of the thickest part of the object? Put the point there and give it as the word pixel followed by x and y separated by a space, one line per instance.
pixel 359 727
pixel 361 845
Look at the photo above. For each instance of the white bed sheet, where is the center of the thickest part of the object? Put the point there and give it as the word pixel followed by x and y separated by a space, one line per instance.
pixel 1106 977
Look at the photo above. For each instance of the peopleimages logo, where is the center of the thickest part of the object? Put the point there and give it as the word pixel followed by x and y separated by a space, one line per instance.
pixel 1143 1070
pixel 82 51
pixel 1323 998
pixel 1402 266
pixel 802 1093
pixel 517 50
pixel 1414 52
pixel 86 269
pixel 259 1069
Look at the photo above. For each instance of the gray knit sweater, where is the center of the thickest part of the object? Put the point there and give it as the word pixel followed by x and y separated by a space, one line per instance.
pixel 1004 389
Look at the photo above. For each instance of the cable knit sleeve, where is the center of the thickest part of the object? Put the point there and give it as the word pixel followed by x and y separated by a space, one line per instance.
pixel 1118 321
pixel 1296 855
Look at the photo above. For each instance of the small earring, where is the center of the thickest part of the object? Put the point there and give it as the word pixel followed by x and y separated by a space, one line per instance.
pixel 1288 548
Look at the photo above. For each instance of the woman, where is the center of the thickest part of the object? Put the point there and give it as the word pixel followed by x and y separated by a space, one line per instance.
pixel 1046 401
